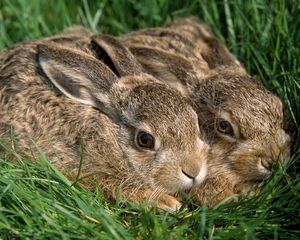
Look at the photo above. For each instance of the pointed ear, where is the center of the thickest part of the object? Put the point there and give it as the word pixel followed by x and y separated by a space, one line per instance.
pixel 76 31
pixel 212 50
pixel 115 55
pixel 217 54
pixel 169 68
pixel 77 75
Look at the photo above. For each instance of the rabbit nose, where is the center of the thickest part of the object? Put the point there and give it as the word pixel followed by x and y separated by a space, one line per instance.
pixel 280 147
pixel 191 172
pixel 280 153
pixel 186 174
pixel 267 163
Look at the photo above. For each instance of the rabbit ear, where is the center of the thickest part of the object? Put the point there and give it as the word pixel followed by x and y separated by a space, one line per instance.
pixel 216 54
pixel 76 31
pixel 212 50
pixel 167 67
pixel 77 75
pixel 115 55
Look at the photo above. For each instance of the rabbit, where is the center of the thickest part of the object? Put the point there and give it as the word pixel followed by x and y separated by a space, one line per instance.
pixel 138 138
pixel 241 120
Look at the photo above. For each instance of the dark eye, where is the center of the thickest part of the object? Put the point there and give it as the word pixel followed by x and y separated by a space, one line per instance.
pixel 145 140
pixel 224 127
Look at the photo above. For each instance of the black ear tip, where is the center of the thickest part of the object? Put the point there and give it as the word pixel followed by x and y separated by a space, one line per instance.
pixel 43 52
pixel 115 55
pixel 101 54
pixel 104 38
pixel 42 48
pixel 40 58
pixel 41 55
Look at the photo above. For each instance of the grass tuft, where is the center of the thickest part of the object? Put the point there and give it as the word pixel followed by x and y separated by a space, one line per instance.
pixel 37 201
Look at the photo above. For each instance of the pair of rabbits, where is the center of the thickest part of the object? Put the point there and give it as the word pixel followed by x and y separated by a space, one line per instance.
pixel 243 122
pixel 148 113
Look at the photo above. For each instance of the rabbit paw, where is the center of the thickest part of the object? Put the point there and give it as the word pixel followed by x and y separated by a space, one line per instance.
pixel 168 203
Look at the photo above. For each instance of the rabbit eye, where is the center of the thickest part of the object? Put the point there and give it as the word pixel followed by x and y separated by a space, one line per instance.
pixel 224 127
pixel 145 140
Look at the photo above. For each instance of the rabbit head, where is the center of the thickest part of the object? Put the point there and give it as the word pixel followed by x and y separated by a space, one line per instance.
pixel 244 124
pixel 140 136
pixel 254 114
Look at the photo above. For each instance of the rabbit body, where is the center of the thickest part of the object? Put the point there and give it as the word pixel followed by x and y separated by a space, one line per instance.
pixel 91 102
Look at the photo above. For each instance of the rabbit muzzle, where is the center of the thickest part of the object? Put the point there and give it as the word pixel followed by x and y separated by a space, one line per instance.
pixel 193 176
pixel 278 153
pixel 194 168
pixel 184 169
pixel 253 160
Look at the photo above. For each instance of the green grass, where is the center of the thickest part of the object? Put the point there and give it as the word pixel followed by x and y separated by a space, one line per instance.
pixel 37 202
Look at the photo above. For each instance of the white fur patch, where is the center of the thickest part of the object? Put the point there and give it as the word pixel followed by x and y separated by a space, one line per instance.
pixel 202 174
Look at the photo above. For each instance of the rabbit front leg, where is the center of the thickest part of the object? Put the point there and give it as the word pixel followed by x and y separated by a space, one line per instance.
pixel 163 201
pixel 115 189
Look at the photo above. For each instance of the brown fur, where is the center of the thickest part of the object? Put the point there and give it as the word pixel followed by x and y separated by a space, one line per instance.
pixel 219 88
pixel 62 96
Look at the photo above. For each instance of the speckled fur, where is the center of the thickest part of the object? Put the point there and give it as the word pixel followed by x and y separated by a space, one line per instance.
pixel 186 55
pixel 123 100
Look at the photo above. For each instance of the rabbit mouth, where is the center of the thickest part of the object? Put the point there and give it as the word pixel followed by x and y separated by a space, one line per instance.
pixel 188 181
pixel 265 166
